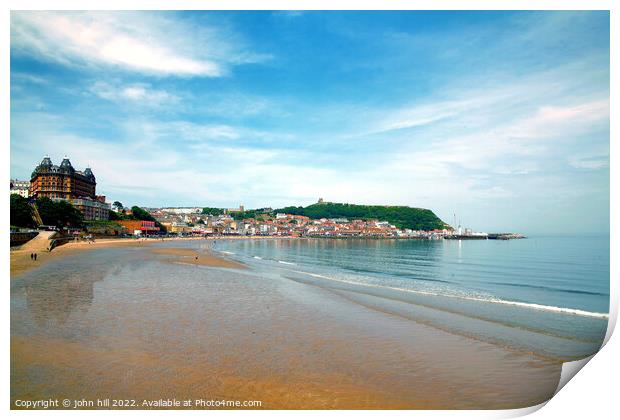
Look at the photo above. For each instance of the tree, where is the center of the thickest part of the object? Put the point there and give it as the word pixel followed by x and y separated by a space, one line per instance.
pixel 400 216
pixel 114 215
pixel 139 214
pixel 118 205
pixel 213 211
pixel 59 213
pixel 20 212
pixel 247 214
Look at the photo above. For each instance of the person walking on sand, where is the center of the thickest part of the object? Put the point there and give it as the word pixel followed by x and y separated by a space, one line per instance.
pixel 31 256
pixel 35 256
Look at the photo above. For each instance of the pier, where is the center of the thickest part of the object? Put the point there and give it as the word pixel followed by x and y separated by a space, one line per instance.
pixel 495 236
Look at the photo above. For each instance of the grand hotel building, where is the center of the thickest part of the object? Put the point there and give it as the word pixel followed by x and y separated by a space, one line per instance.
pixel 65 183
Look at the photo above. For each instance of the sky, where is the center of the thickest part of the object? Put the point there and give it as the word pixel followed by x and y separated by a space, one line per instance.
pixel 499 118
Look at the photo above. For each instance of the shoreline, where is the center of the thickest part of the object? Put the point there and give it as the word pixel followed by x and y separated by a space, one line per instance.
pixel 21 263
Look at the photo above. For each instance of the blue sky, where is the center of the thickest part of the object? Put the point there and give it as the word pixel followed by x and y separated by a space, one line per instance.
pixel 499 117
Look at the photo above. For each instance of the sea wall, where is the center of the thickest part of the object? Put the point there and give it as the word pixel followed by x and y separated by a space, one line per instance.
pixel 20 238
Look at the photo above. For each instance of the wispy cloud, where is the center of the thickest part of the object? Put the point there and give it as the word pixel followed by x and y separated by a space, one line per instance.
pixel 145 158
pixel 590 163
pixel 28 78
pixel 289 13
pixel 136 93
pixel 150 43
pixel 186 133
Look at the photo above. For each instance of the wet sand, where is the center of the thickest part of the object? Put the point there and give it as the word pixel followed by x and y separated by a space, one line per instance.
pixel 196 257
pixel 146 323
pixel 21 261
pixel 125 373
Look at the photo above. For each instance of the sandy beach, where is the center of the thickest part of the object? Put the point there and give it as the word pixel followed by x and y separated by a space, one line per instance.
pixel 21 261
pixel 147 321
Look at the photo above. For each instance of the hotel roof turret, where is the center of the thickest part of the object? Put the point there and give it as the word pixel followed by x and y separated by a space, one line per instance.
pixel 63 181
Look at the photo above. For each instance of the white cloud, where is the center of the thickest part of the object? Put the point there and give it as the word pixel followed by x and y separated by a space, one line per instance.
pixel 136 41
pixel 554 96
pixel 589 163
pixel 141 93
pixel 505 129
pixel 430 113
pixel 557 121
pixel 520 142
pixel 145 168
pixel 184 131
pixel 289 13
pixel 27 77
pixel 199 135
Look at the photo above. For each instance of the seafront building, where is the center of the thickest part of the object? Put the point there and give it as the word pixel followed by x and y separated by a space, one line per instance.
pixel 96 209
pixel 61 181
pixel 281 224
pixel 181 210
pixel 139 227
pixel 20 187
pixel 64 182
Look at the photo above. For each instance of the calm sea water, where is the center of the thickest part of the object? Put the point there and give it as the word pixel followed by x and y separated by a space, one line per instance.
pixel 546 295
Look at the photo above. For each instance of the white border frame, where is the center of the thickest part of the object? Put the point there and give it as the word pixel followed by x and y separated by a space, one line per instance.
pixel 593 394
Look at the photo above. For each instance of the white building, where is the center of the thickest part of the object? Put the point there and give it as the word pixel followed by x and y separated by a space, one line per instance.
pixel 240 227
pixel 91 209
pixel 20 187
pixel 182 210
pixel 266 229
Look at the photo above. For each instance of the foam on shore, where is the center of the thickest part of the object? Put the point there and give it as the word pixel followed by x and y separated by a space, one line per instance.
pixel 534 306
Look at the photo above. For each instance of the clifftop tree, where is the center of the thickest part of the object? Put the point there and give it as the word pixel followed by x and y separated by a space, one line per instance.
pixel 139 214
pixel 402 217
pixel 21 215
pixel 59 213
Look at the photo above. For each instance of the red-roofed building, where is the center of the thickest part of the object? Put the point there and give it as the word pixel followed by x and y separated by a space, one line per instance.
pixel 139 226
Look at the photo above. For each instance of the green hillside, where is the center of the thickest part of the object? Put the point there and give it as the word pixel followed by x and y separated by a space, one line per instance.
pixel 402 217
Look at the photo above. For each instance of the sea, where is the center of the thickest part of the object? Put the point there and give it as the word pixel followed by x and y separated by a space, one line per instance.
pixel 545 295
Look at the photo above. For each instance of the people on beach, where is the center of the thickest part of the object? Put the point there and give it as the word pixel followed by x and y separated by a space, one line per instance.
pixel 35 256
pixel 32 256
